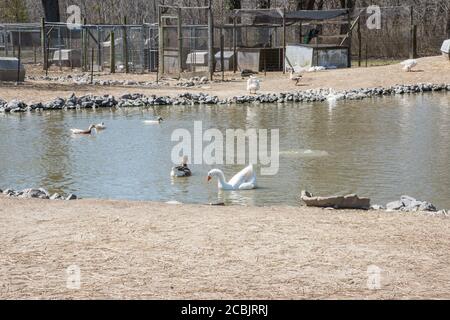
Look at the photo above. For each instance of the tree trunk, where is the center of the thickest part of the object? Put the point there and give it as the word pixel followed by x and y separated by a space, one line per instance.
pixel 51 10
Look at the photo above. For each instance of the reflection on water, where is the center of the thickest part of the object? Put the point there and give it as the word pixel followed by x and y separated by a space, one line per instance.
pixel 381 148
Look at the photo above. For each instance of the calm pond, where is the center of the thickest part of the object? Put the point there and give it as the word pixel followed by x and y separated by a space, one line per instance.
pixel 381 148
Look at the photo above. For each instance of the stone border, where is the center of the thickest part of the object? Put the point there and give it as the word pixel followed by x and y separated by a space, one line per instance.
pixel 140 100
pixel 37 194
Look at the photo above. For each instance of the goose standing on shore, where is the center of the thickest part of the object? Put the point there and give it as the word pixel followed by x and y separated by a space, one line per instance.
pixel 181 171
pixel 244 180
pixel 86 132
pixel 253 85
pixel 409 64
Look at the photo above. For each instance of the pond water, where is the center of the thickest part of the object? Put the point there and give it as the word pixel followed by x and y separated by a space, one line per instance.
pixel 381 148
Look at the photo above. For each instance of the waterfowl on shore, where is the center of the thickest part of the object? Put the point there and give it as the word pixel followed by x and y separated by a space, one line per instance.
pixel 79 131
pixel 297 78
pixel 182 170
pixel 253 85
pixel 409 64
pixel 157 121
pixel 244 180
pixel 100 126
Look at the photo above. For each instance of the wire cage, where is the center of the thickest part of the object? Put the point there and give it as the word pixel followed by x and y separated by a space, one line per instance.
pixel 186 43
pixel 24 36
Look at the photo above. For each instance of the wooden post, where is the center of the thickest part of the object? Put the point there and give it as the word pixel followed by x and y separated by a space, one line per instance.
pixel 92 66
pixel 359 43
pixel 367 55
pixel 112 61
pixel 411 38
pixel 161 46
pixel 222 58
pixel 414 42
pixel 284 40
pixel 34 54
pixel 349 41
pixel 210 40
pixel 69 46
pixel 19 58
pixel 84 45
pixel 99 48
pixel 235 59
pixel 43 43
pixel 60 49
pixel 6 41
pixel 180 42
pixel 125 45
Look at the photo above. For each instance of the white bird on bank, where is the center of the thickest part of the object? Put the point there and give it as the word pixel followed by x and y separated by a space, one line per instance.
pixel 157 121
pixel 79 131
pixel 182 170
pixel 253 85
pixel 100 126
pixel 244 180
pixel 409 64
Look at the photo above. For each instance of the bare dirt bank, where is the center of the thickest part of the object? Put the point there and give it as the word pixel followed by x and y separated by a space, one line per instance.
pixel 149 250
pixel 429 70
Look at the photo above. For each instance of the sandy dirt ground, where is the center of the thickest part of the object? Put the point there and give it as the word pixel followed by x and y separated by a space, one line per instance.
pixel 429 70
pixel 141 250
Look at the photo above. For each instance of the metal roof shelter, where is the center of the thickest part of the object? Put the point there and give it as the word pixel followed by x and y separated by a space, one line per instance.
pixel 279 17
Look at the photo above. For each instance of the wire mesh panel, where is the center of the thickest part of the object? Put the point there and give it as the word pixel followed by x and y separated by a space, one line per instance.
pixel 25 36
pixel 185 40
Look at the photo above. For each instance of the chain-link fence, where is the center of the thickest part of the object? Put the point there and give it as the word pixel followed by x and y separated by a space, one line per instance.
pixel 185 44
pixel 117 48
pixel 27 37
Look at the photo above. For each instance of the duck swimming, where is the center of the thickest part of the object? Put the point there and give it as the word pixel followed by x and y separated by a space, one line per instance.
pixel 182 170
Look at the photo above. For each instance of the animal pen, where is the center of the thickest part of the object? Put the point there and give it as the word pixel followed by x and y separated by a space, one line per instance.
pixel 127 48
pixel 187 41
pixel 277 40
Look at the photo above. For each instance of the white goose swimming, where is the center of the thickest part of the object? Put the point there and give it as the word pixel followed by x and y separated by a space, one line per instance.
pixel 409 64
pixel 244 180
pixel 100 126
pixel 157 121
pixel 253 85
pixel 182 170
pixel 88 131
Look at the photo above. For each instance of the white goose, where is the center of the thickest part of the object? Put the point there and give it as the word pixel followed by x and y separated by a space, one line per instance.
pixel 86 132
pixel 100 126
pixel 244 180
pixel 157 121
pixel 253 85
pixel 409 64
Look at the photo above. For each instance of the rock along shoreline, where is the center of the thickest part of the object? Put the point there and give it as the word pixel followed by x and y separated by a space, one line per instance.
pixel 140 100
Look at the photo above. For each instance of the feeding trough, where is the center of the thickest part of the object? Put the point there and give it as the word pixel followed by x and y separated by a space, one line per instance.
pixel 351 201
pixel 9 70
